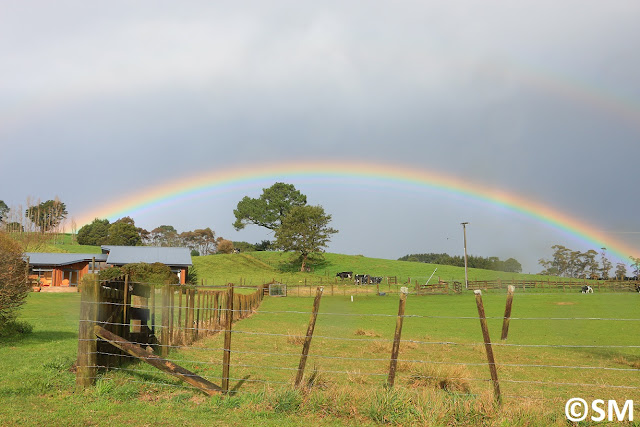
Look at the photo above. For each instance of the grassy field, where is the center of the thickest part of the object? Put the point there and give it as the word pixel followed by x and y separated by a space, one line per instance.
pixel 350 357
pixel 255 268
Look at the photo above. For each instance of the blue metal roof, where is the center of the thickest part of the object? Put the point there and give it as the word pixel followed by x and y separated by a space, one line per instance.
pixel 54 259
pixel 171 256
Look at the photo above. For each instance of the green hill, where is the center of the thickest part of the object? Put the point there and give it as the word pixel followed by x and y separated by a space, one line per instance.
pixel 254 268
pixel 261 267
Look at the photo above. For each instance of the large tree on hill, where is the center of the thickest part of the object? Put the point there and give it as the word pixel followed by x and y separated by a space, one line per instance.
pixel 47 215
pixel 270 209
pixel 94 234
pixel 123 232
pixel 304 230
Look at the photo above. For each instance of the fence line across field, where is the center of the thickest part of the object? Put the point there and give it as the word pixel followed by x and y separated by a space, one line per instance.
pixel 406 316
pixel 327 337
pixel 128 312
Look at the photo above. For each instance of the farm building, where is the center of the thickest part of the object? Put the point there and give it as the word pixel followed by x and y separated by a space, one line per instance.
pixel 62 269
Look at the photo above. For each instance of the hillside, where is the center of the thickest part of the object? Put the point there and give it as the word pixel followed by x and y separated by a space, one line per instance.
pixel 260 267
pixel 253 268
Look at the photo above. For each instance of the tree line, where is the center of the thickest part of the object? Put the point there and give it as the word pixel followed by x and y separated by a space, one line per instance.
pixel 281 208
pixel 567 262
pixel 510 265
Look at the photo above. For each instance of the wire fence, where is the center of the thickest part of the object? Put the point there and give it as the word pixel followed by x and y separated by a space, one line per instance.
pixel 194 330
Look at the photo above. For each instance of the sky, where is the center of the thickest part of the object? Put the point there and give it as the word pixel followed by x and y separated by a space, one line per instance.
pixel 102 102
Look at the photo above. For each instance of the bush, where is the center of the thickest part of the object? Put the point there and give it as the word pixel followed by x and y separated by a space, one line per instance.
pixel 14 286
pixel 156 273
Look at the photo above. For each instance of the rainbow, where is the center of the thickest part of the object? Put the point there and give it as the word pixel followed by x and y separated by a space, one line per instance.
pixel 378 174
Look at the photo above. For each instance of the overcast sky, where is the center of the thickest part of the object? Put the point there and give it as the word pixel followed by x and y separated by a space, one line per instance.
pixel 99 100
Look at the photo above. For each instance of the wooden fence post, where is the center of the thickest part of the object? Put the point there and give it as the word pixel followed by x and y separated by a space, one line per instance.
pixel 226 356
pixel 507 312
pixel 126 308
pixel 487 346
pixel 191 315
pixel 165 332
pixel 87 341
pixel 395 350
pixel 307 338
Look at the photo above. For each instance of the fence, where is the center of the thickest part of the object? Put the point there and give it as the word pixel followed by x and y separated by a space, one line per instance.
pixel 266 352
pixel 118 318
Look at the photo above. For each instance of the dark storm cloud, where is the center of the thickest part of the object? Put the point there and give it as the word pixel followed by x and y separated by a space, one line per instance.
pixel 535 98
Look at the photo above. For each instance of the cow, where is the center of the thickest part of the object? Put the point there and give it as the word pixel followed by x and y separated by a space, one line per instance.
pixel 362 279
pixel 586 289
pixel 638 289
pixel 376 280
pixel 345 274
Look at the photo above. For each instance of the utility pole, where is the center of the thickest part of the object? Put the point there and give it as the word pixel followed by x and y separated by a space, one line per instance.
pixel 464 233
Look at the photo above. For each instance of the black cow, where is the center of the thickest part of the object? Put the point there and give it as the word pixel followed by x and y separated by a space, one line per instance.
pixel 638 289
pixel 586 289
pixel 345 274
pixel 362 279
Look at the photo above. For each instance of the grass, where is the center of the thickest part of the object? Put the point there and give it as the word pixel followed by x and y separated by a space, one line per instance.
pixel 345 387
pixel 438 383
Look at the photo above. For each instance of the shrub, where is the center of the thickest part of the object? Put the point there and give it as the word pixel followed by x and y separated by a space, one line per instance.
pixel 14 286
pixel 156 273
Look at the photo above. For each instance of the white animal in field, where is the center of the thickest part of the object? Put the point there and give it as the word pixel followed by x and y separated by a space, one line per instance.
pixel 587 289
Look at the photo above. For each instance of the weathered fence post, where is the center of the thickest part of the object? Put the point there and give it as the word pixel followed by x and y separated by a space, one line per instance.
pixel 395 350
pixel 307 338
pixel 87 341
pixel 487 346
pixel 166 321
pixel 192 312
pixel 126 308
pixel 507 312
pixel 226 357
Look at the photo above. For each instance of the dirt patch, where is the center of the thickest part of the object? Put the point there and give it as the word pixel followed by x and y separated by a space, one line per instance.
pixel 565 303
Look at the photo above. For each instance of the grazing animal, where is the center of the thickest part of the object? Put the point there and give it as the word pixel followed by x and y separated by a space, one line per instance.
pixel 587 289
pixel 376 280
pixel 362 279
pixel 638 289
pixel 345 274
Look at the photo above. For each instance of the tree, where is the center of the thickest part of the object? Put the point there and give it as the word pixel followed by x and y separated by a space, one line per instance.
pixel 123 232
pixel 47 215
pixel 264 245
pixel 606 264
pixel 270 208
pixel 559 265
pixel 635 264
pixel 14 287
pixel 94 234
pixel 4 210
pixel 205 240
pixel 305 230
pixel 621 271
pixel 512 265
pixel 14 227
pixel 225 246
pixel 165 235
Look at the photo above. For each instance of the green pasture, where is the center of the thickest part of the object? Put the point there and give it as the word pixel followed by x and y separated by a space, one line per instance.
pixel 347 367
pixel 254 268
